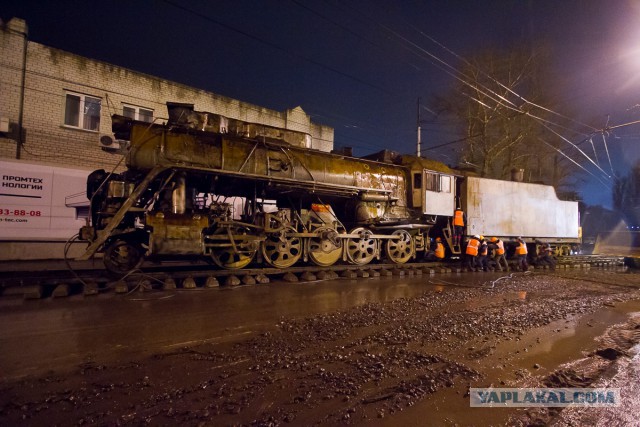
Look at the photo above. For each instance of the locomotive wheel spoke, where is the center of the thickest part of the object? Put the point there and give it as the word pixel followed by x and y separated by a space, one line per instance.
pixel 400 250
pixel 362 250
pixel 282 251
pixel 235 256
pixel 323 251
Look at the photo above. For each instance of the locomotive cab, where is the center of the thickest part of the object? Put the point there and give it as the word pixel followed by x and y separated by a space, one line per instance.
pixel 433 187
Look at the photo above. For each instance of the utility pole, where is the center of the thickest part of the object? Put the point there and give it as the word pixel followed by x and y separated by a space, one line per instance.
pixel 419 131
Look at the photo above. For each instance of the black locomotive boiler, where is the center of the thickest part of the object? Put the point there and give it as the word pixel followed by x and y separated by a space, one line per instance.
pixel 202 185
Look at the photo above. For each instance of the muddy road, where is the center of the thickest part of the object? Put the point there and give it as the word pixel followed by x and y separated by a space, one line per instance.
pixel 379 351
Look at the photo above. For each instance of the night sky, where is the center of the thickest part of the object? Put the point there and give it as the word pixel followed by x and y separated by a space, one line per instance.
pixel 360 66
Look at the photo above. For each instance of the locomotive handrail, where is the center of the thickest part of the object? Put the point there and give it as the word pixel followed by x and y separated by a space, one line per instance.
pixel 352 190
pixel 104 234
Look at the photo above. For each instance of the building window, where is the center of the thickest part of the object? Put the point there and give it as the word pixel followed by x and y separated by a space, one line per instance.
pixel 82 111
pixel 138 113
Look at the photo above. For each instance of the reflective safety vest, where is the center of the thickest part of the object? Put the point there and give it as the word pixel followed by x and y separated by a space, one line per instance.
pixel 472 247
pixel 500 247
pixel 458 218
pixel 521 249
pixel 439 250
pixel 484 249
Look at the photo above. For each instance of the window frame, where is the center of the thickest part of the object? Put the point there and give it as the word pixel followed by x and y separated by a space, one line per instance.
pixel 81 116
pixel 438 182
pixel 432 181
pixel 137 114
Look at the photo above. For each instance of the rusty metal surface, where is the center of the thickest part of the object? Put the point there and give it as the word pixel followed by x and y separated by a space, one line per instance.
pixel 176 234
pixel 276 162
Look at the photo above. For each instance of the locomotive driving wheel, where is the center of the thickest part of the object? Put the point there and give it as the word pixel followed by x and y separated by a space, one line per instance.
pixel 280 250
pixel 400 250
pixel 326 249
pixel 236 253
pixel 361 250
pixel 122 256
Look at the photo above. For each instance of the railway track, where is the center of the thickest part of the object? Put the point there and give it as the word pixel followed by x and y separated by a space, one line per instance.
pixel 37 280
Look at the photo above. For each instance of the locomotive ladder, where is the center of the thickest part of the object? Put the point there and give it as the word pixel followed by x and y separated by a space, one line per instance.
pixel 455 249
pixel 104 234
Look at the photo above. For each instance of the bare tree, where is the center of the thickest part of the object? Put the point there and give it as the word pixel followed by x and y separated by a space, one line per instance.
pixel 496 106
pixel 626 195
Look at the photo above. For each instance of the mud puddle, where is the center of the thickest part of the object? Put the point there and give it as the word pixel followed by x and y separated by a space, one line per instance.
pixel 519 362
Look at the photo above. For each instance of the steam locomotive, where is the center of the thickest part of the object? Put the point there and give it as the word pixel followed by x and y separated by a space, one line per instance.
pixel 203 185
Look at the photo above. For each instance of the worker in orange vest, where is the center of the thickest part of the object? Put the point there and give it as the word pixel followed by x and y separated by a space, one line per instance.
pixel 521 252
pixel 471 253
pixel 483 254
pixel 439 249
pixel 499 254
pixel 458 226
pixel 436 254
pixel 545 255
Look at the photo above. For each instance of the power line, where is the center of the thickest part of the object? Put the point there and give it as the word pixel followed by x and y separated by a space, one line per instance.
pixel 275 46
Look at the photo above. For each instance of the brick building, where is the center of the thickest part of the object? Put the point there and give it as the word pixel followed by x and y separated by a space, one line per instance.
pixel 63 104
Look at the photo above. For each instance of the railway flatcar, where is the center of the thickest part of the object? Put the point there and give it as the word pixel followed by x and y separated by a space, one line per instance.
pixel 238 193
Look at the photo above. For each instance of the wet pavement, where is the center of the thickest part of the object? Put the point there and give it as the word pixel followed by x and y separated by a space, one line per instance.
pixel 380 351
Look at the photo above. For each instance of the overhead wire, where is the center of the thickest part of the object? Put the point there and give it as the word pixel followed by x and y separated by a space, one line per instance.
pixel 501 84
pixel 593 147
pixel 506 103
pixel 574 162
pixel 577 148
pixel 498 99
pixel 344 28
pixel 443 65
pixel 604 140
pixel 273 45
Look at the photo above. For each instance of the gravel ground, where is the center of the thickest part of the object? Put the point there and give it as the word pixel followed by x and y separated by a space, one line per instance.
pixel 359 366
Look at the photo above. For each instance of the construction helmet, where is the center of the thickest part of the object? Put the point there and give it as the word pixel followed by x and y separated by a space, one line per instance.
pixel 494 239
pixel 481 237
pixel 476 237
pixel 438 239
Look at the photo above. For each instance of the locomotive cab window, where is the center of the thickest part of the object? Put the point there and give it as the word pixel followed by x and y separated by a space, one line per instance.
pixel 445 184
pixel 417 181
pixel 433 181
